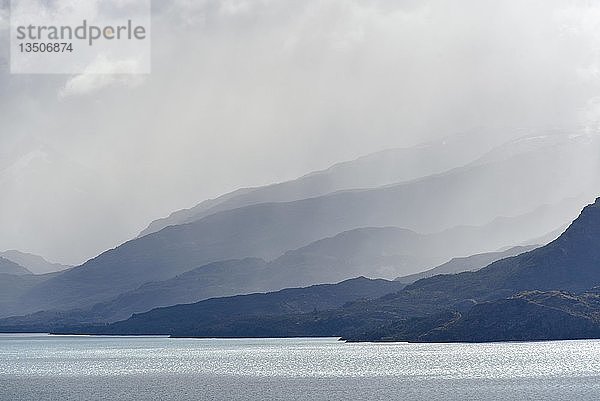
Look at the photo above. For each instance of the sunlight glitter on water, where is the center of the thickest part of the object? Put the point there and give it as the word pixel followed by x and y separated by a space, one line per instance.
pixel 293 358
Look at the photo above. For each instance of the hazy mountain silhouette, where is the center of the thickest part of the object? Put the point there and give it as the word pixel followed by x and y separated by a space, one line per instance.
pixel 293 300
pixel 10 267
pixel 14 287
pixel 34 263
pixel 210 311
pixel 401 165
pixel 568 263
pixel 374 252
pixel 468 196
pixel 571 263
pixel 442 307
pixel 371 171
pixel 469 263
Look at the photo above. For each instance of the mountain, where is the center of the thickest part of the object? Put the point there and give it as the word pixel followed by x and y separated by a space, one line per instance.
pixel 440 308
pixel 10 267
pixel 472 195
pixel 218 279
pixel 529 316
pixel 570 263
pixel 470 263
pixel 402 165
pixel 547 238
pixel 374 252
pixel 371 171
pixel 13 287
pixel 291 300
pixel 383 252
pixel 35 264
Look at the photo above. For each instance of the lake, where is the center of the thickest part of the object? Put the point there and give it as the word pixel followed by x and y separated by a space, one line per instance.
pixel 42 367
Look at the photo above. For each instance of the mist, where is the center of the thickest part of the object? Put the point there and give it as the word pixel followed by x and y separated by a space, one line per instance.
pixel 245 93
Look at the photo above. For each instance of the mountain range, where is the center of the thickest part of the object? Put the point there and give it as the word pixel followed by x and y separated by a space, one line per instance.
pixel 371 171
pixel 383 216
pixel 373 252
pixel 291 300
pixel 384 252
pixel 402 165
pixel 469 263
pixel 529 296
pixel 10 267
pixel 532 173
pixel 34 264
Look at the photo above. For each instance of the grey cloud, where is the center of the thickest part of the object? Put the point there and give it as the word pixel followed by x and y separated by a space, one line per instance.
pixel 251 92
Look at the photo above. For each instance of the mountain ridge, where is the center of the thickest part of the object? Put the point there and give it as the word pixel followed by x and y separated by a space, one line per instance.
pixel 9 267
pixel 468 263
pixel 466 196
pixel 391 166
pixel 461 239
pixel 432 305
pixel 33 263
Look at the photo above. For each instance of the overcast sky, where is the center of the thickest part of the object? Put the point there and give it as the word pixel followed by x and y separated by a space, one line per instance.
pixel 251 92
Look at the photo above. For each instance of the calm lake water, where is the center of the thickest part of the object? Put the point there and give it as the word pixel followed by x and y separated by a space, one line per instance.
pixel 41 367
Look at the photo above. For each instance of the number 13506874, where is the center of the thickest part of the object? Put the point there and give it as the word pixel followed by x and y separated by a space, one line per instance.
pixel 35 47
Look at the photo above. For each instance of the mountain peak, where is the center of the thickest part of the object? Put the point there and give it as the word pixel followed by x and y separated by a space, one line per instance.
pixel 585 230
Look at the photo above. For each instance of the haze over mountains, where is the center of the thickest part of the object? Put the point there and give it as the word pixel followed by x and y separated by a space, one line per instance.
pixel 10 267
pixel 13 287
pixel 469 263
pixel 33 263
pixel 19 263
pixel 382 216
pixel 408 164
pixel 373 252
pixel 512 183
pixel 37 181
pixel 371 171
pixel 518 298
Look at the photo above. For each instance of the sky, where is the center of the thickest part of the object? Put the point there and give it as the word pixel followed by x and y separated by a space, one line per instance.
pixel 245 93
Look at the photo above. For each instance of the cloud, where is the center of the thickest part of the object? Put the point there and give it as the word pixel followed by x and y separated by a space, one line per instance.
pixel 101 74
pixel 250 92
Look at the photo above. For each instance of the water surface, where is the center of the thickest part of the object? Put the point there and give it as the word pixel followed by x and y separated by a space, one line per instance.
pixel 41 367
